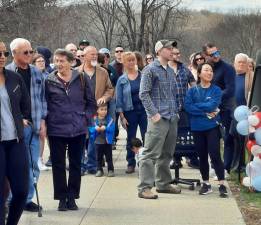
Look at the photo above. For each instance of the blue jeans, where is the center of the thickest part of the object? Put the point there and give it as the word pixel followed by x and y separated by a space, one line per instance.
pixel 226 119
pixel 89 162
pixel 35 151
pixel 135 118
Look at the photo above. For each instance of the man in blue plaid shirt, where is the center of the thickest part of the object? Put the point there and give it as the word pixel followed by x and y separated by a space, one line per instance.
pixel 185 79
pixel 158 91
pixel 22 56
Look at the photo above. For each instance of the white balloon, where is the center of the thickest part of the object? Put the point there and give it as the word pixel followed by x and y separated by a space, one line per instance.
pixel 253 120
pixel 246 181
pixel 253 169
pixel 256 150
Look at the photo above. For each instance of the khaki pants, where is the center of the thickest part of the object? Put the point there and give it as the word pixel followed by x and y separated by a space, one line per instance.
pixel 160 142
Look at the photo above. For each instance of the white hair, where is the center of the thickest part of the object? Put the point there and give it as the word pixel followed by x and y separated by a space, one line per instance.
pixel 17 42
pixel 241 56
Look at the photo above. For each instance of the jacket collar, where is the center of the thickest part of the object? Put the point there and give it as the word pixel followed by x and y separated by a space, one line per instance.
pixel 53 76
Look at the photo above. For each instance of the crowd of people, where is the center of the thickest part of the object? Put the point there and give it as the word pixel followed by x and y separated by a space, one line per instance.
pixel 78 102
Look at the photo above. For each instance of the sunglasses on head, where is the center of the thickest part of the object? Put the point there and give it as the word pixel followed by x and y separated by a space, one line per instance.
pixel 215 54
pixel 5 54
pixel 119 51
pixel 28 52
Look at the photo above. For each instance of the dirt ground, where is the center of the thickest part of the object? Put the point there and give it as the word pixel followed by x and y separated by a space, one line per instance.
pixel 251 213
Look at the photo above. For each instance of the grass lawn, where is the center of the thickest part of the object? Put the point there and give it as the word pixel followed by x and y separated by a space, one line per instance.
pixel 253 198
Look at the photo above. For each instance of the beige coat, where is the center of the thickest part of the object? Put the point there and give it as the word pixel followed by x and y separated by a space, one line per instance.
pixel 103 84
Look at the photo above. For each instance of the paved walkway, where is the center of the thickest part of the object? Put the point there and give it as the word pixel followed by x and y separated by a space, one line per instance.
pixel 114 201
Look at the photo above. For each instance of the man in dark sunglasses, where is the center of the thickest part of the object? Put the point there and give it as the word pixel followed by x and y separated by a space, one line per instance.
pixel 34 80
pixel 118 66
pixel 224 77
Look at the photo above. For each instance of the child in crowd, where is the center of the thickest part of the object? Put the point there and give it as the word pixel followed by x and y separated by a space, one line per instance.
pixel 136 147
pixel 102 132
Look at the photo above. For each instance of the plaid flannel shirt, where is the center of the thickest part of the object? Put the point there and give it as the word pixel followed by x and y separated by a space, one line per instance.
pixel 158 90
pixel 38 101
pixel 183 77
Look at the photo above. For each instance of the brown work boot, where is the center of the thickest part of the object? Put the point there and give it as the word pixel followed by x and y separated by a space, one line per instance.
pixel 130 170
pixel 147 194
pixel 171 189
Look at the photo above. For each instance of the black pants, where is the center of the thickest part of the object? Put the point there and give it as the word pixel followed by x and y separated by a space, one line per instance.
pixel 101 150
pixel 208 142
pixel 58 145
pixel 13 165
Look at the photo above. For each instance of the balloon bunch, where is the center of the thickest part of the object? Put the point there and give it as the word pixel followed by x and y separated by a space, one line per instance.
pixel 249 124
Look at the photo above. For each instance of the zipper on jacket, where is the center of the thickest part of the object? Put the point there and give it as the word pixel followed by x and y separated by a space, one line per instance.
pixel 17 138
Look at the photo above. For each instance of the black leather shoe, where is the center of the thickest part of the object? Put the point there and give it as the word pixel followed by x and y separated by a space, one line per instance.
pixel 62 205
pixel 31 207
pixel 71 205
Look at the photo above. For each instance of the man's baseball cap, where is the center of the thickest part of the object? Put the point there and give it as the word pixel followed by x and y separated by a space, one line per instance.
pixel 84 42
pixel 105 51
pixel 164 44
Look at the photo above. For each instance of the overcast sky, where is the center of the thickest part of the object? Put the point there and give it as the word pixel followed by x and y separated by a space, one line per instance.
pixel 222 5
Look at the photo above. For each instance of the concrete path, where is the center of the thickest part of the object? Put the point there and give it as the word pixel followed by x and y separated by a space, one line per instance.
pixel 114 201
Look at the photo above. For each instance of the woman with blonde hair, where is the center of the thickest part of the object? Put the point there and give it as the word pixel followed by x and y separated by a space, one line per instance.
pixel 128 104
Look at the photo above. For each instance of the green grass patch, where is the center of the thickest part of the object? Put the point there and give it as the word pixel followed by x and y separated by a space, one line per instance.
pixel 253 198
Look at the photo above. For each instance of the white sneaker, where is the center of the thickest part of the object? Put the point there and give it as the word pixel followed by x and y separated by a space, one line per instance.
pixel 41 166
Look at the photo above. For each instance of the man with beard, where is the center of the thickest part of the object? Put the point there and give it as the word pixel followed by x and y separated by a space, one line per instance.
pixel 103 91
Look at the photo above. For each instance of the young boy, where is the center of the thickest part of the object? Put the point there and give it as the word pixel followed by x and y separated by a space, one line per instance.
pixel 102 132
pixel 136 147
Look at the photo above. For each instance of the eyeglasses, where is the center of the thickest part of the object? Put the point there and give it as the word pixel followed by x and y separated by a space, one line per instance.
pixel 198 59
pixel 119 51
pixel 215 54
pixel 40 61
pixel 5 54
pixel 28 52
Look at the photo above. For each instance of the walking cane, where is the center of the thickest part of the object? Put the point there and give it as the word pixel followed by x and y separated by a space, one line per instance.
pixel 34 177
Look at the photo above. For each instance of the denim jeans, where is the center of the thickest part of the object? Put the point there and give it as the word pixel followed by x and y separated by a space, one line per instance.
pixel 91 164
pixel 35 151
pixel 135 118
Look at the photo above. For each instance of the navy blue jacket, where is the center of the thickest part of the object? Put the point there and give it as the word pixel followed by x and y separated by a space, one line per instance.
pixel 68 111
pixel 224 77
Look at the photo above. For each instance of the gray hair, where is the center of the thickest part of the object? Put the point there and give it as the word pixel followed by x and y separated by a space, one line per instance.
pixel 241 56
pixel 17 42
pixel 64 52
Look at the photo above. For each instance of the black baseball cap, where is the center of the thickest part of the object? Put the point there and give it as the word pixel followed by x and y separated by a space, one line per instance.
pixel 84 42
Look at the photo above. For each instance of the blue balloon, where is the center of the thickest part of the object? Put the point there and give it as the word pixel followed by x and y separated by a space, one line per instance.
pixel 257 183
pixel 243 127
pixel 258 136
pixel 241 113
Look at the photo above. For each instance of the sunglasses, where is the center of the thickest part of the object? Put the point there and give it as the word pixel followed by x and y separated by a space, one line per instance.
pixel 215 54
pixel 119 51
pixel 5 54
pixel 198 59
pixel 28 52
